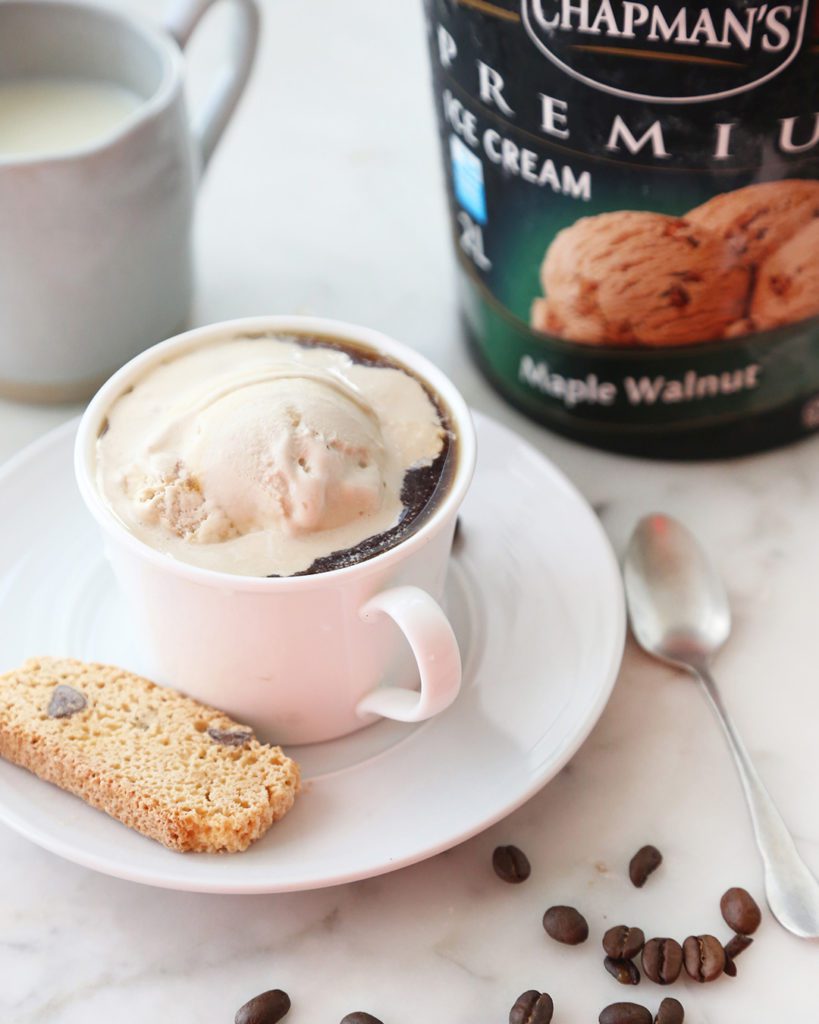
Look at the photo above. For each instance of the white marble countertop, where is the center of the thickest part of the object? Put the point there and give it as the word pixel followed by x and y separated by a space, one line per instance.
pixel 326 198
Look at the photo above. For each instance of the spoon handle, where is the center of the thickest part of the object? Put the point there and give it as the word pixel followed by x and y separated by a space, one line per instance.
pixel 791 888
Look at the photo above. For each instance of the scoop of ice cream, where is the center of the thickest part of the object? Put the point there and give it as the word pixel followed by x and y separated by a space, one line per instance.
pixel 641 278
pixel 293 453
pixel 262 456
pixel 787 283
pixel 756 220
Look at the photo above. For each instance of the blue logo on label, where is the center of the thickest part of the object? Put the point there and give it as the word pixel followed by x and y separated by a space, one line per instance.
pixel 467 178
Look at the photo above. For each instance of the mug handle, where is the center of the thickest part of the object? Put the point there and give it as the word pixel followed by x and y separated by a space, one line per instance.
pixel 208 123
pixel 422 621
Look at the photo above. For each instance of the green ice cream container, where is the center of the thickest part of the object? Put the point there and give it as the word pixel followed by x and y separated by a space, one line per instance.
pixel 634 200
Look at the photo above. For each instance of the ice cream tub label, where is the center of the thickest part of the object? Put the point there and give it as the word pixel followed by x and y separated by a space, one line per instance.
pixel 634 194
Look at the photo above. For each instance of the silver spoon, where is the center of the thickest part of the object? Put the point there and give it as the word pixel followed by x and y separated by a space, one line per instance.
pixel 679 613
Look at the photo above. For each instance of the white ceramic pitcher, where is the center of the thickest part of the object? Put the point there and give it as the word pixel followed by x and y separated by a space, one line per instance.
pixel 95 242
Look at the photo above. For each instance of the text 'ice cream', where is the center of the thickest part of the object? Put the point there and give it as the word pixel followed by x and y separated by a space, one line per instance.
pixel 272 456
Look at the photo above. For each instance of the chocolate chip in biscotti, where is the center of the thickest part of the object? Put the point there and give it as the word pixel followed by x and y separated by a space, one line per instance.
pixel 66 701
pixel 622 942
pixel 565 924
pixel 360 1017
pixel 532 1007
pixel 266 1008
pixel 624 971
pixel 231 737
pixel 511 864
pixel 704 957
pixel 644 862
pixel 740 911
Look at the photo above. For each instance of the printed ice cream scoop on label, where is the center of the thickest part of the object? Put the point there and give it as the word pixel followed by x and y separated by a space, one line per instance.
pixel 742 262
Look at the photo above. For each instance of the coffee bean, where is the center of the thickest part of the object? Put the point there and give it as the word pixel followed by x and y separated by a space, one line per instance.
pixel 267 1008
pixel 532 1007
pixel 511 864
pixel 65 702
pixel 565 924
pixel 622 942
pixel 737 945
pixel 704 957
pixel 740 911
pixel 625 1013
pixel 646 860
pixel 359 1017
pixel 623 970
pixel 662 960
pixel 670 1012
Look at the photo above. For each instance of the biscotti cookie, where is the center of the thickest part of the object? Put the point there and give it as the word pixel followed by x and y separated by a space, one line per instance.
pixel 178 771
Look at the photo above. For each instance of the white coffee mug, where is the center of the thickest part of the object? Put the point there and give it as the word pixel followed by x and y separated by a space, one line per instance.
pixel 302 658
pixel 95 242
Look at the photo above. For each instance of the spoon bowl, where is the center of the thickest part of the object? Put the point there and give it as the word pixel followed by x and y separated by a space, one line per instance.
pixel 677 604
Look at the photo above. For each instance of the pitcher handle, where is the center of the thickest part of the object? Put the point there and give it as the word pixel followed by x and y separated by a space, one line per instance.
pixel 210 120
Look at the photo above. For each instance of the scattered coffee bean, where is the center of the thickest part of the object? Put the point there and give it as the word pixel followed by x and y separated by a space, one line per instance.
pixel 565 924
pixel 662 960
pixel 66 701
pixel 670 1012
pixel 622 942
pixel 511 864
pixel 704 957
pixel 267 1008
pixel 737 945
pixel 532 1007
pixel 623 970
pixel 740 911
pixel 231 738
pixel 359 1017
pixel 625 1013
pixel 643 863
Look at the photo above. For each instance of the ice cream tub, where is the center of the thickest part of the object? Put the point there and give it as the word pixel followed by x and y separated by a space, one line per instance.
pixel 634 197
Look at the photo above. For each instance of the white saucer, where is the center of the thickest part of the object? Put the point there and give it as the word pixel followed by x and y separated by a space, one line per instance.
pixel 536 601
